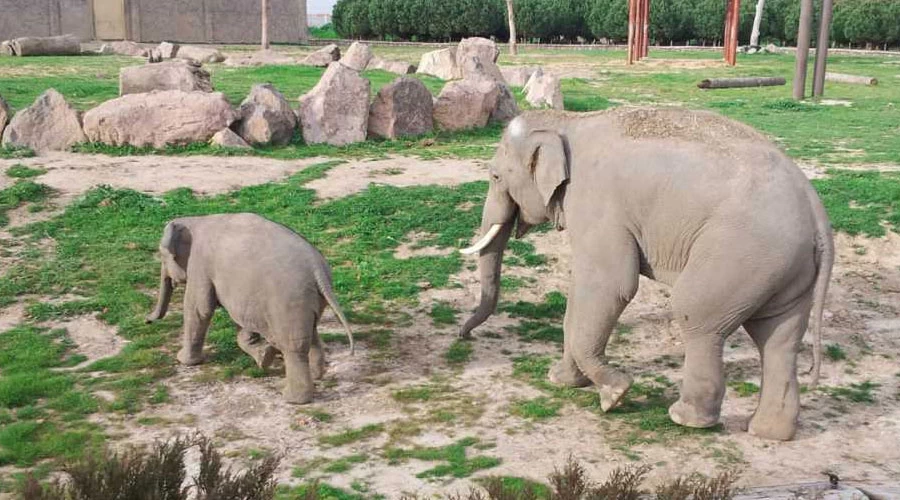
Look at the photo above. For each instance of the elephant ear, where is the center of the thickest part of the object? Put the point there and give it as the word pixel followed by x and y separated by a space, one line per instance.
pixel 175 247
pixel 549 164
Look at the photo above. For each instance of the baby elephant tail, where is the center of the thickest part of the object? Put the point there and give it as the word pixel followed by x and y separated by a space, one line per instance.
pixel 327 292
pixel 824 264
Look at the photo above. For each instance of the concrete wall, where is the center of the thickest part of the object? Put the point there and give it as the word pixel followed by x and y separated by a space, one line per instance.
pixel 46 18
pixel 209 21
pixel 215 21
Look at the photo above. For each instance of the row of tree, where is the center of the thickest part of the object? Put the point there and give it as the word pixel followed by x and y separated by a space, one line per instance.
pixel 856 22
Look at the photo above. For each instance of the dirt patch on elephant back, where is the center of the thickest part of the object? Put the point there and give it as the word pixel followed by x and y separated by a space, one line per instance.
pixel 687 125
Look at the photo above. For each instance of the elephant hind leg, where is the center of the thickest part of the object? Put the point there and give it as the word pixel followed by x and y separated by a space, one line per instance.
pixel 317 363
pixel 257 347
pixel 778 339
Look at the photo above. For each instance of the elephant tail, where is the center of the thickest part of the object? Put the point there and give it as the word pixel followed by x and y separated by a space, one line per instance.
pixel 824 263
pixel 327 292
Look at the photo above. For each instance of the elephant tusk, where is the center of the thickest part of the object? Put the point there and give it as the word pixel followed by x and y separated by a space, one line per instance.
pixel 483 242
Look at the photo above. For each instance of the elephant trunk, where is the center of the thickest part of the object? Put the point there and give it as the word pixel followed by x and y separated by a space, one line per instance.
pixel 165 295
pixel 497 222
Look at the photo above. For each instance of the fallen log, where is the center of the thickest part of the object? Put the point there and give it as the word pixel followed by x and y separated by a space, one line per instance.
pixel 733 83
pixel 854 79
pixel 65 45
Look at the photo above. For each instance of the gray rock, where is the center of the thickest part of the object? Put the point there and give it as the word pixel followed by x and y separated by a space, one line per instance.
pixel 486 50
pixel 475 67
pixel 168 50
pixel 203 55
pixel 324 56
pixel 266 117
pixel 517 76
pixel 106 50
pixel 128 48
pixel 336 110
pixel 880 491
pixel 4 115
pixel 159 118
pixel 6 48
pixel 466 104
pixel 544 90
pixel 357 56
pixel 440 63
pixel 187 76
pixel 65 45
pixel 226 138
pixel 396 67
pixel 403 108
pixel 260 58
pixel 772 49
pixel 50 124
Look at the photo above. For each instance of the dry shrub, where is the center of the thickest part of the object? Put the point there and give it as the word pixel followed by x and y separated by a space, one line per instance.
pixel 156 474
pixel 697 487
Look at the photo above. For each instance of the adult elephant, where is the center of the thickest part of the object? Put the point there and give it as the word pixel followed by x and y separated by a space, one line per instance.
pixel 688 198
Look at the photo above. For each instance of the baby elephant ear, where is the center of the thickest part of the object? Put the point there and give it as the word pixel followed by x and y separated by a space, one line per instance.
pixel 549 163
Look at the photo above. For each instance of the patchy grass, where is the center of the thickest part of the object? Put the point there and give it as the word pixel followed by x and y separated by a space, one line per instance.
pixel 861 202
pixel 459 353
pixel 19 171
pixel 20 193
pixel 744 389
pixel 540 408
pixel 862 392
pixel 8 152
pixel 443 314
pixel 352 435
pixel 421 393
pixel 344 464
pixel 459 464
pixel 553 307
pixel 835 352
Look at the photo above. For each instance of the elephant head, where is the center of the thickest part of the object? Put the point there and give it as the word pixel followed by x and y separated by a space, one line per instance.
pixel 527 186
pixel 174 252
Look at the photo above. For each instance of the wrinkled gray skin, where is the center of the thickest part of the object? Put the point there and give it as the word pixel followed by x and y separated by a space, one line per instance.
pixel 735 229
pixel 273 283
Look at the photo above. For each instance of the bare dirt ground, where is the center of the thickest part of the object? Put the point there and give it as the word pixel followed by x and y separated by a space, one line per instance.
pixel 860 442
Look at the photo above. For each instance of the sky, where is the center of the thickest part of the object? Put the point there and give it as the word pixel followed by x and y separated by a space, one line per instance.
pixel 319 6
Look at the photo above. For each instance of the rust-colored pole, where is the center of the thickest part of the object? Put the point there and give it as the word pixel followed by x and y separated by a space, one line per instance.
pixel 646 36
pixel 631 21
pixel 638 29
pixel 725 37
pixel 735 29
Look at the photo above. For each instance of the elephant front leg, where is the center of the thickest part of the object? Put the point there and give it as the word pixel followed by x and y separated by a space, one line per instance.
pixel 317 363
pixel 199 307
pixel 703 386
pixel 299 386
pixel 257 347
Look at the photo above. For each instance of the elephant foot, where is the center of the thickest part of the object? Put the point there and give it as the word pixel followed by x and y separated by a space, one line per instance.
pixel 188 358
pixel 777 429
pixel 318 371
pixel 690 416
pixel 560 374
pixel 297 397
pixel 265 356
pixel 614 387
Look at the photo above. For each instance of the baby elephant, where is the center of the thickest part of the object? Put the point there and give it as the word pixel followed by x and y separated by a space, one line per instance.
pixel 273 283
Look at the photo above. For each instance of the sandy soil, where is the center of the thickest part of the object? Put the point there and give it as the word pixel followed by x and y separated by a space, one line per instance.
pixel 861 442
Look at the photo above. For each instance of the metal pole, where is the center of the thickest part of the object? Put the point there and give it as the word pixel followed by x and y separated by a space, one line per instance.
pixel 803 32
pixel 822 49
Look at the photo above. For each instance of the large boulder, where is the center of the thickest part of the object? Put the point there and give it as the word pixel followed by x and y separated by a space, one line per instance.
pixel 65 45
pixel 260 58
pixel 168 50
pixel 357 56
pixel 159 118
pixel 482 48
pixel 226 138
pixel 506 107
pixel 336 110
pixel 324 56
pixel 517 76
pixel 128 48
pixel 4 115
pixel 6 48
pixel 200 54
pixel 440 63
pixel 50 124
pixel 266 117
pixel 396 67
pixel 466 104
pixel 543 90
pixel 403 108
pixel 187 76
pixel 475 67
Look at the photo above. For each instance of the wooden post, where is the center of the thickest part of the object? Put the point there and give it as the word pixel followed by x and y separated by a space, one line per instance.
pixel 803 32
pixel 646 40
pixel 735 29
pixel 725 37
pixel 631 22
pixel 511 15
pixel 732 25
pixel 265 24
pixel 822 49
pixel 638 29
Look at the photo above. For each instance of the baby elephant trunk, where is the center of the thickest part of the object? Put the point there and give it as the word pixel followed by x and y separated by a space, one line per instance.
pixel 165 295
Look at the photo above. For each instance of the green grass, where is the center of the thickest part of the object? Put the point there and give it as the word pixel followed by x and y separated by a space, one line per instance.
pixel 861 202
pixel 459 352
pixel 443 314
pixel 19 171
pixel 20 193
pixel 862 392
pixel 344 464
pixel 325 31
pixel 421 393
pixel 744 389
pixel 458 463
pixel 553 307
pixel 320 490
pixel 16 152
pixel 517 487
pixel 835 352
pixel 352 435
pixel 540 408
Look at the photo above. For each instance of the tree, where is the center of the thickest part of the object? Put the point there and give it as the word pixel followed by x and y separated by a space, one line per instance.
pixel 757 21
pixel 265 24
pixel 511 15
pixel 803 33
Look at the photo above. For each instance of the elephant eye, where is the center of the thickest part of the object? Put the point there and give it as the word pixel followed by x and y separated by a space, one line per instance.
pixel 495 177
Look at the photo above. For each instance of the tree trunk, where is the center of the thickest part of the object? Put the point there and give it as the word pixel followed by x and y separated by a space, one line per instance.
pixel 822 49
pixel 265 24
pixel 854 79
pixel 803 33
pixel 757 22
pixel 511 14
pixel 731 83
